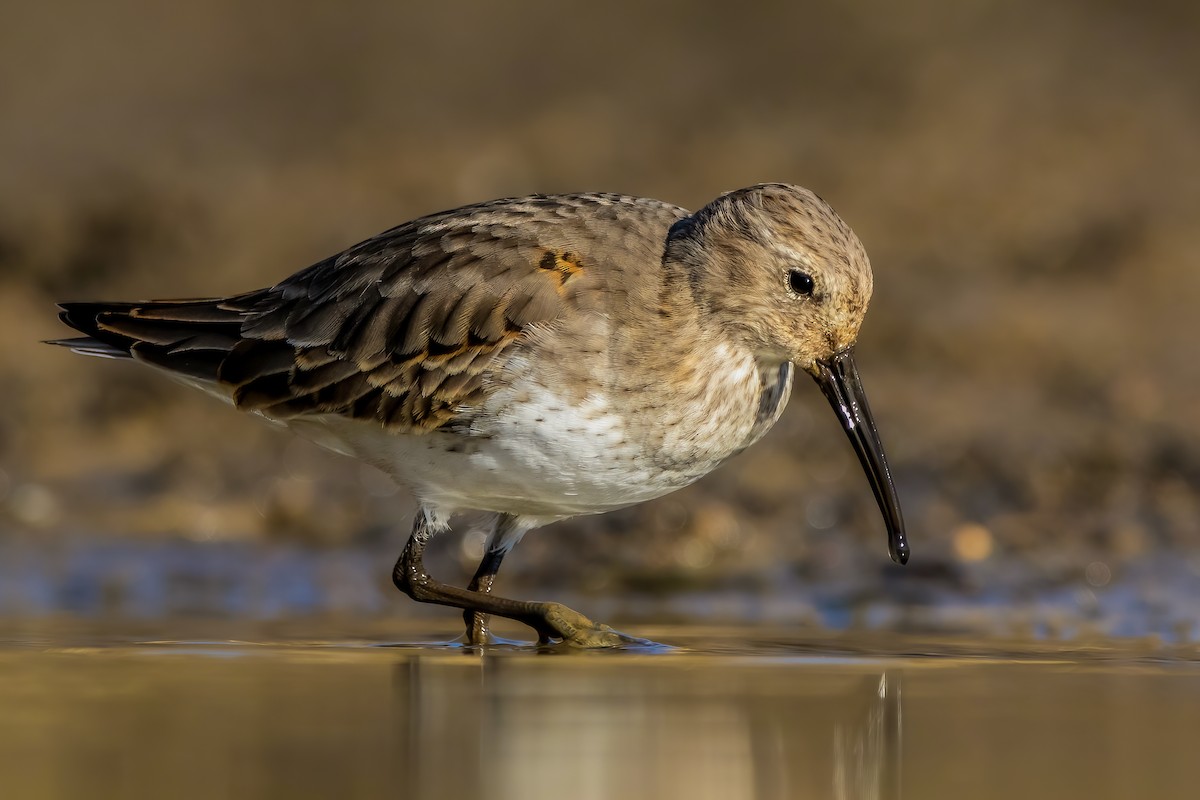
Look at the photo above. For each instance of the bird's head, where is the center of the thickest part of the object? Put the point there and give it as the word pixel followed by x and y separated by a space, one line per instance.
pixel 780 269
pixel 784 276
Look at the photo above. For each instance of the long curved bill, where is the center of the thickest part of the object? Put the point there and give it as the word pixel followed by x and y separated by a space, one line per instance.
pixel 838 378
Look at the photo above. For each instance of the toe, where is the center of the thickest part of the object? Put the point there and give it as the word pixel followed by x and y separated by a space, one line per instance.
pixel 576 630
pixel 563 623
pixel 598 637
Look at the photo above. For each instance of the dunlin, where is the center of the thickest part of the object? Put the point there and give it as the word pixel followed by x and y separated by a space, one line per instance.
pixel 537 358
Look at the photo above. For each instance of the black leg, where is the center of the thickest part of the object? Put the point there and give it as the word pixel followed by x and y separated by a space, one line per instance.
pixel 549 620
pixel 478 632
pixel 477 621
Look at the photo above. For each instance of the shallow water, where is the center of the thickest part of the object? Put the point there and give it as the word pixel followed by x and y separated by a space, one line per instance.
pixel 116 713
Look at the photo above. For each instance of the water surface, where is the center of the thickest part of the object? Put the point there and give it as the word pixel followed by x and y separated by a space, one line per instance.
pixel 92 713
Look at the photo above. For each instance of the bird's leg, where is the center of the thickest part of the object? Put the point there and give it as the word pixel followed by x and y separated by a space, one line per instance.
pixel 477 621
pixel 549 620
pixel 506 531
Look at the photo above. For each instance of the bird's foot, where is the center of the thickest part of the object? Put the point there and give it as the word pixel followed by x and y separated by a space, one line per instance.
pixel 576 630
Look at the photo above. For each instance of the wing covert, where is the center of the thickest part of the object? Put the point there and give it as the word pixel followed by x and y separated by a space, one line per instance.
pixel 405 327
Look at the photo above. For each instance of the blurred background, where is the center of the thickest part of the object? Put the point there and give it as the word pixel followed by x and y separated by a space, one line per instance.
pixel 1025 176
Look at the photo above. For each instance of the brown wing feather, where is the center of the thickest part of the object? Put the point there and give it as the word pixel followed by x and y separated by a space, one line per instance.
pixel 405 327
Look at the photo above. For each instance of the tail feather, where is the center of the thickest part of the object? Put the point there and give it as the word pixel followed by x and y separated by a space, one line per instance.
pixel 200 365
pixel 87 346
pixel 191 337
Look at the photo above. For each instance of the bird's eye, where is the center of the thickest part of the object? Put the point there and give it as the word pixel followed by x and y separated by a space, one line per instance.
pixel 800 282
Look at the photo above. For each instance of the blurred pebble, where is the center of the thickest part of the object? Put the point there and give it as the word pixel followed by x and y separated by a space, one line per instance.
pixel 713 525
pixel 820 513
pixel 716 523
pixel 33 504
pixel 1129 540
pixel 972 542
pixel 695 554
pixel 470 546
pixel 209 524
pixel 1097 574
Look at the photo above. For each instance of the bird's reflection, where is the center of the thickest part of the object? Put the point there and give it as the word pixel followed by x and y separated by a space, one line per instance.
pixel 697 727
pixel 867 747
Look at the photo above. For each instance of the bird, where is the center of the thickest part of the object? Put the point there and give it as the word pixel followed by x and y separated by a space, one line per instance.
pixel 537 358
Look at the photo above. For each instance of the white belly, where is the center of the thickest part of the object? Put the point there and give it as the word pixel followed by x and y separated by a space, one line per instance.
pixel 535 452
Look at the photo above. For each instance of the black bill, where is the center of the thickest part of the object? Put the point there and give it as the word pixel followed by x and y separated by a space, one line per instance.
pixel 838 378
